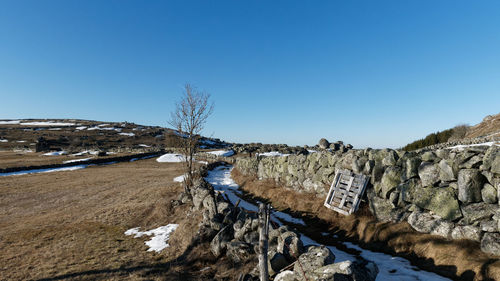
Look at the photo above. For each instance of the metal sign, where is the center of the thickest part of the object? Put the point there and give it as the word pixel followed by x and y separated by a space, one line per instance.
pixel 346 192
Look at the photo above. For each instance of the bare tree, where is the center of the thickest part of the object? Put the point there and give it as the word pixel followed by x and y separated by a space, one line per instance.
pixel 189 118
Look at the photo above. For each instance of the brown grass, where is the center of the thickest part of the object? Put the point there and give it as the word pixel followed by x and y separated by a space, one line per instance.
pixel 70 225
pixel 458 259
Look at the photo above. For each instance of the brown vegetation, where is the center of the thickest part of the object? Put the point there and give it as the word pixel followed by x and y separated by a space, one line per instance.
pixel 70 225
pixel 459 259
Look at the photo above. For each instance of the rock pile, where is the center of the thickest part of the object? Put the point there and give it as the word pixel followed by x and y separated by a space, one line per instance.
pixel 233 232
pixel 449 192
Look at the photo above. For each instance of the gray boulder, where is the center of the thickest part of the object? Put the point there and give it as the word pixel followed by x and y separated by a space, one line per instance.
pixel 390 180
pixel 348 271
pixel 489 194
pixel 428 173
pixel 478 211
pixel 290 245
pixel 470 182
pixel 426 223
pixel 491 243
pixel 382 209
pixel 412 165
pixel 429 156
pixel 441 201
pixel 323 143
pixel 238 251
pixel 220 241
pixel 466 232
pixel 316 256
pixel 446 172
pixel 286 275
pixel 489 157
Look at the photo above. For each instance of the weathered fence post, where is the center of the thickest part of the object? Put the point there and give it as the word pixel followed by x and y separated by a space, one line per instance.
pixel 263 243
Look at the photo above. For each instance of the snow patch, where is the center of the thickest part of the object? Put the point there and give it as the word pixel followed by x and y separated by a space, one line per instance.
pixel 171 158
pixel 48 170
pixel 144 145
pixel 4 140
pixel 160 236
pixel 9 122
pixel 77 160
pixel 81 128
pixel 55 153
pixel 48 123
pixel 127 134
pixel 180 178
pixel 222 153
pixel 463 146
pixel 272 154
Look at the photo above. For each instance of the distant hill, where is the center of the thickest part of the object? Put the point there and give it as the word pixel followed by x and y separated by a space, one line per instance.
pixel 489 127
pixel 77 135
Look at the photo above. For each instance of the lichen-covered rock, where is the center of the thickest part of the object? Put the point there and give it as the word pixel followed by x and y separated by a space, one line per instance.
pixel 478 211
pixel 384 210
pixel 238 251
pixel 348 271
pixel 290 245
pixel 426 223
pixel 220 241
pixel 441 201
pixel 390 180
pixel 429 156
pixel 495 165
pixel 446 172
pixel 491 243
pixel 428 173
pixel 466 232
pixel 315 257
pixel 489 194
pixel 412 165
pixel 470 182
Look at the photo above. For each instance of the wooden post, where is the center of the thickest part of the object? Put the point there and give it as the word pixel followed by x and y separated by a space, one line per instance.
pixel 263 242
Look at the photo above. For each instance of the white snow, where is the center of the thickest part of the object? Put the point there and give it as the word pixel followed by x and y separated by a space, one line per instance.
pixel 144 145
pixel 160 236
pixel 81 128
pixel 180 178
pixel 390 267
pixel 312 151
pixel 272 154
pixel 463 146
pixel 171 158
pixel 55 129
pixel 55 153
pixel 127 134
pixel 21 141
pixel 48 123
pixel 77 160
pixel 222 153
pixel 48 170
pixel 4 140
pixel 9 122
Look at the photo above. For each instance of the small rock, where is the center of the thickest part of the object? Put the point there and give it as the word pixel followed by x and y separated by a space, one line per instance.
pixel 489 194
pixel 428 173
pixel 316 256
pixel 491 243
pixel 466 232
pixel 470 182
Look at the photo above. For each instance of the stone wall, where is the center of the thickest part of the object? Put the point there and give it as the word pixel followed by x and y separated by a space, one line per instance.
pixel 448 192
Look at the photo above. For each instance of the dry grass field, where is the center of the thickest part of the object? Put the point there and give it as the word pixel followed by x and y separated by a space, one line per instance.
pixel 70 225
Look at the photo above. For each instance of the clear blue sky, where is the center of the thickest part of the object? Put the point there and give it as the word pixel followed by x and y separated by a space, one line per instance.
pixel 370 73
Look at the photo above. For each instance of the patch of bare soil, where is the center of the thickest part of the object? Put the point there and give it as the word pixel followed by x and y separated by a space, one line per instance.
pixel 457 259
pixel 489 126
pixel 70 225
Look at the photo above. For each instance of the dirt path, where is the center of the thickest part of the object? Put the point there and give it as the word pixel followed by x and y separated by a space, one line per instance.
pixel 71 224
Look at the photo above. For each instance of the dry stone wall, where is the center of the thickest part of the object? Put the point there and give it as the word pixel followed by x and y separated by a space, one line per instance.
pixel 448 192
